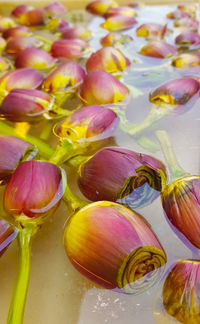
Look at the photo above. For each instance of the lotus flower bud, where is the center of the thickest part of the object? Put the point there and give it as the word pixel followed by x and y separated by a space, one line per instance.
pixel 22 105
pixel 4 65
pixel 7 235
pixel 21 9
pixel 181 291
pixel 12 150
pixel 67 75
pixel 188 7
pixel 115 39
pixel 107 59
pixel 158 49
pixel 177 14
pixel 151 30
pixel 100 7
pixel 124 11
pixel 2 44
pixel 186 61
pixel 119 23
pixel 17 31
pixel 34 58
pixel 187 23
pixel 123 176
pixel 55 9
pixel 101 87
pixel 5 23
pixel 188 38
pixel 17 44
pixel 34 17
pixel 34 190
pixel 69 48
pixel 114 247
pixel 21 78
pixel 77 32
pixel 175 92
pixel 91 122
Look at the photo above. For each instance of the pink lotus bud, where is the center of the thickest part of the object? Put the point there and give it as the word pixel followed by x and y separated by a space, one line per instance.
pixel 187 23
pixel 188 38
pixel 34 17
pixel 186 61
pixel 2 44
pixel 4 65
pixel 177 14
pixel 91 122
pixel 34 58
pixel 115 39
pixel 69 48
pixel 5 23
pixel 17 44
pixel 158 49
pixel 124 11
pixel 55 8
pixel 119 23
pixel 181 291
pixel 34 190
pixel 107 59
pixel 114 247
pixel 22 105
pixel 7 235
pixel 12 150
pixel 77 32
pixel 21 9
pixel 175 92
pixel 122 176
pixel 100 7
pixel 65 76
pixel 151 30
pixel 100 87
pixel 17 31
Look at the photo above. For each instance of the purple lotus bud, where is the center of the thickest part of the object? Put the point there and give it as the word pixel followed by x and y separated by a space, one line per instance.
pixel 16 44
pixel 187 23
pixel 69 48
pixel 189 38
pixel 55 8
pixel 35 58
pixel 77 32
pixel 177 14
pixel 124 11
pixel 17 31
pixel 119 23
pixel 158 49
pixel 115 39
pixel 100 7
pixel 21 9
pixel 186 61
pixel 5 23
pixel 151 30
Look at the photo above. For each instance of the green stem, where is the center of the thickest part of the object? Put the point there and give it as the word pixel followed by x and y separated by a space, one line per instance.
pixel 65 151
pixel 74 203
pixel 175 169
pixel 17 306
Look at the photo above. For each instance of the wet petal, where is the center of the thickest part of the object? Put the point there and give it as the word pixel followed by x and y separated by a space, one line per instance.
pixel 21 9
pixel 100 7
pixel 186 61
pixel 17 44
pixel 124 11
pixel 116 39
pixel 77 32
pixel 34 17
pixel 188 38
pixel 55 8
pixel 34 58
pixel 17 31
pixel 187 23
pixel 119 23
pixel 151 30
pixel 177 14
pixel 158 49
pixel 69 48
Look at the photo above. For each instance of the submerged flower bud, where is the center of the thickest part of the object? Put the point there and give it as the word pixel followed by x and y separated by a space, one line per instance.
pixel 77 32
pixel 151 30
pixel 32 17
pixel 7 235
pixel 17 44
pixel 65 76
pixel 123 176
pixel 12 150
pixel 188 38
pixel 55 8
pixel 21 9
pixel 22 105
pixel 181 291
pixel 69 48
pixel 100 87
pixel 175 92
pixel 34 190
pixel 100 7
pixel 114 247
pixel 124 11
pixel 158 49
pixel 119 23
pixel 115 39
pixel 34 58
pixel 17 31
pixel 5 23
pixel 186 61
pixel 107 59
pixel 187 23
pixel 177 14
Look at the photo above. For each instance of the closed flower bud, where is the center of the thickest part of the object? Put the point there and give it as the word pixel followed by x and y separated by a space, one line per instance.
pixel 17 31
pixel 55 9
pixel 158 49
pixel 186 61
pixel 101 87
pixel 69 48
pixel 16 44
pixel 21 9
pixel 123 176
pixel 100 7
pixel 107 59
pixel 4 65
pixel 114 247
pixel 177 14
pixel 22 105
pixel 151 30
pixel 34 17
pixel 115 39
pixel 34 58
pixel 34 190
pixel 124 11
pixel 189 38
pixel 7 235
pixel 187 23
pixel 77 32
pixel 66 76
pixel 12 150
pixel 5 23
pixel 181 291
pixel 2 44
pixel 119 23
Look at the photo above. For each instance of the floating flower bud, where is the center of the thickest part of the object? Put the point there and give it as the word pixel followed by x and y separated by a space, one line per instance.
pixel 187 23
pixel 100 7
pixel 77 32
pixel 181 291
pixel 158 49
pixel 151 30
pixel 123 176
pixel 22 105
pixel 107 59
pixel 69 48
pixel 34 17
pixel 119 23
pixel 34 190
pixel 12 150
pixel 17 44
pixel 177 14
pixel 4 65
pixel 188 7
pixel 5 23
pixel 189 38
pixel 100 87
pixel 114 247
pixel 17 31
pixel 34 58
pixel 55 9
pixel 2 44
pixel 186 61
pixel 7 235
pixel 115 39
pixel 124 11
pixel 21 9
